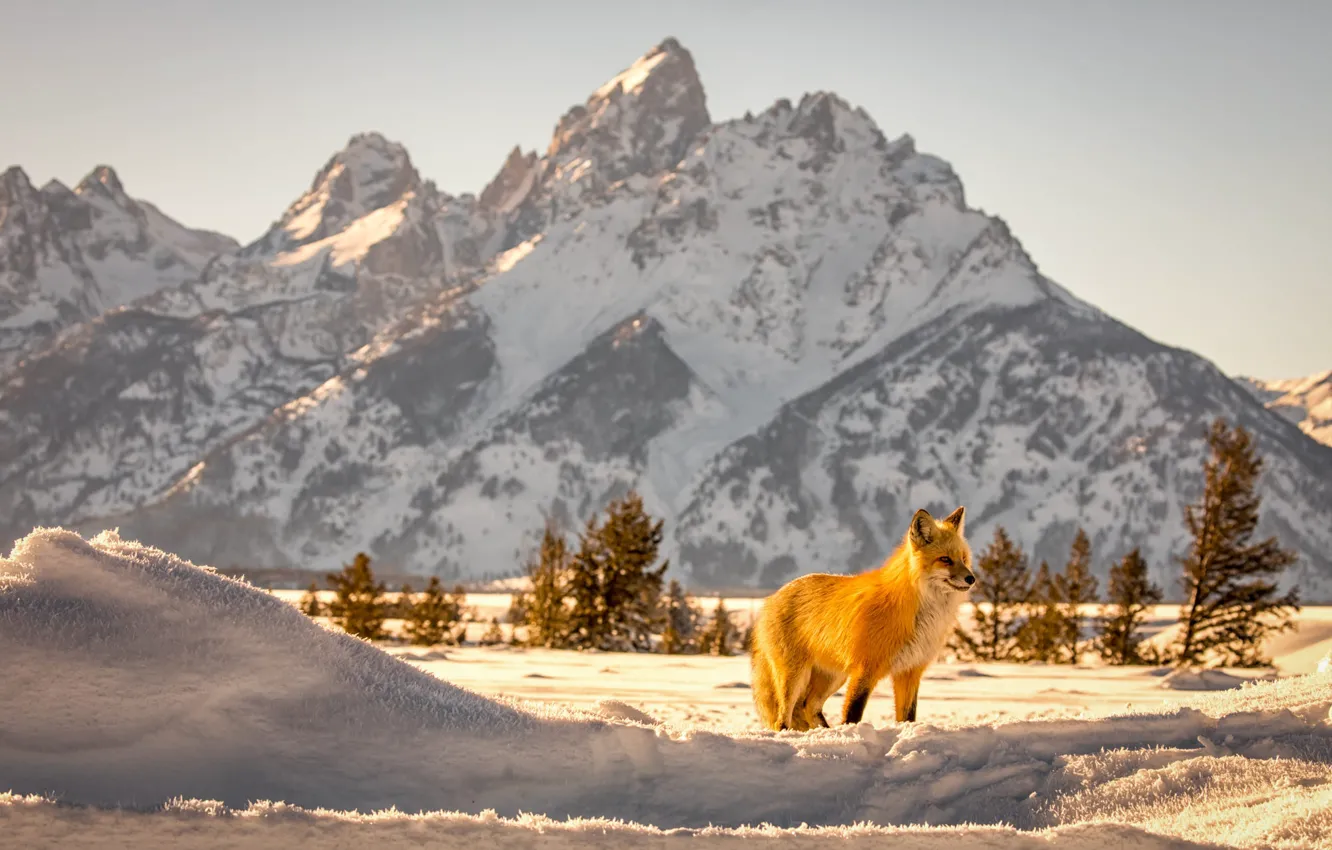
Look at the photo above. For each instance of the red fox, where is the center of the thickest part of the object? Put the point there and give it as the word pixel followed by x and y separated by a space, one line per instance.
pixel 819 631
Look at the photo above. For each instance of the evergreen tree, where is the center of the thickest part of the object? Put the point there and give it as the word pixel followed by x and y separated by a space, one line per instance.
pixel 719 639
pixel 1231 602
pixel 358 607
pixel 1002 589
pixel 1130 594
pixel 310 604
pixel 586 622
pixel 541 609
pixel 1075 586
pixel 1041 636
pixel 613 585
pixel 493 635
pixel 631 580
pixel 431 617
pixel 682 621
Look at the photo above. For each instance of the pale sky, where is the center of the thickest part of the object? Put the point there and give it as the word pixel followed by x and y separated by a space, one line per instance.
pixel 1168 160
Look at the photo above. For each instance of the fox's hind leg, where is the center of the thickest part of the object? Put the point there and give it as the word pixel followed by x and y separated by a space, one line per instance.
pixel 765 692
pixel 790 694
pixel 822 685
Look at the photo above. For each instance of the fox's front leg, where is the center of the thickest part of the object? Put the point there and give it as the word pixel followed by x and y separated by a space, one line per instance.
pixel 906 690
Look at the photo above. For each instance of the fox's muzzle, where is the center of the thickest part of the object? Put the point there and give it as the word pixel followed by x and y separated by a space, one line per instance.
pixel 961 578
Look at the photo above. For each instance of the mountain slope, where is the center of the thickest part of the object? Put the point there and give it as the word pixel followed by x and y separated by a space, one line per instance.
pixel 786 330
pixel 1305 401
pixel 70 255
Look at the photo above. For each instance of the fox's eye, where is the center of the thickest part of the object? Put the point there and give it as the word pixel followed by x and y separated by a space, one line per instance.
pixel 946 561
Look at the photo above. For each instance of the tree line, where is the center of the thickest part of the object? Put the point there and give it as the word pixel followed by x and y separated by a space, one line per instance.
pixel 1229 581
pixel 605 590
pixel 361 606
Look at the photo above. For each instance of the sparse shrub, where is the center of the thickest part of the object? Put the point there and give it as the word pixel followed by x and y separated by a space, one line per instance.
pixel 310 604
pixel 493 635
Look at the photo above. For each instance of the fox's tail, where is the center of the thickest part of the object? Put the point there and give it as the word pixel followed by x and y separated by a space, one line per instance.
pixel 764 689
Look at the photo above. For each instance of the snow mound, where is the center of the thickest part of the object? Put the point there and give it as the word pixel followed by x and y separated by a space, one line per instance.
pixel 617 710
pixel 1201 680
pixel 135 679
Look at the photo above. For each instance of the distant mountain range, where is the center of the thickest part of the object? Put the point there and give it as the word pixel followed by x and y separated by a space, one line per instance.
pixel 1305 401
pixel 787 330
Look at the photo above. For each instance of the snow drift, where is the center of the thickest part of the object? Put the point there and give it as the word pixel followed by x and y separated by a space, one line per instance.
pixel 136 679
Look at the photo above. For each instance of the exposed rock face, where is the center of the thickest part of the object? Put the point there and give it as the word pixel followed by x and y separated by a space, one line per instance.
pixel 786 330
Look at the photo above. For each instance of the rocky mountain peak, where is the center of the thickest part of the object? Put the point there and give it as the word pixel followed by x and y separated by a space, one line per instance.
pixel 641 121
pixel 102 180
pixel 512 184
pixel 368 174
pixel 14 185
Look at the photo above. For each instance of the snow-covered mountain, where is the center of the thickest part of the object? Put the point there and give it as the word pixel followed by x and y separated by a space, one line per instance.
pixel 68 256
pixel 787 330
pixel 107 417
pixel 1305 401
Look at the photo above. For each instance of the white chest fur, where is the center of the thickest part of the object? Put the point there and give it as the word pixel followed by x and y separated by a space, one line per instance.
pixel 934 623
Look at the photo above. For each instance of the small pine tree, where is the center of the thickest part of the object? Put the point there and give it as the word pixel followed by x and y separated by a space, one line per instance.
pixel 1231 604
pixel 1130 594
pixel 631 580
pixel 1075 586
pixel 1003 580
pixel 310 604
pixel 1041 636
pixel 719 639
pixel 493 635
pixel 682 621
pixel 431 616
pixel 358 607
pixel 586 619
pixel 542 610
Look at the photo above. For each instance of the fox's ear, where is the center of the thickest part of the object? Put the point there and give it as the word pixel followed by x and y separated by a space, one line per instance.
pixel 955 518
pixel 922 528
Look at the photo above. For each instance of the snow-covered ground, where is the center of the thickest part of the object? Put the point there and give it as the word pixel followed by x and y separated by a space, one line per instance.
pixel 135 680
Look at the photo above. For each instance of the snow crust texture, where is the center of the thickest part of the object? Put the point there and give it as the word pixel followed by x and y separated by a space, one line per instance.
pixel 787 330
pixel 137 679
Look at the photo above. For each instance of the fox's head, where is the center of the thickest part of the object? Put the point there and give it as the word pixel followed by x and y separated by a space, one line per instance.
pixel 939 552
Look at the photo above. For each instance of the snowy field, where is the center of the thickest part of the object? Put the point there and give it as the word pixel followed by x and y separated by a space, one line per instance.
pixel 713 692
pixel 149 703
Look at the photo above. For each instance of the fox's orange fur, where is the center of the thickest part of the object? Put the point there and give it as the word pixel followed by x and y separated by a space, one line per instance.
pixel 820 631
